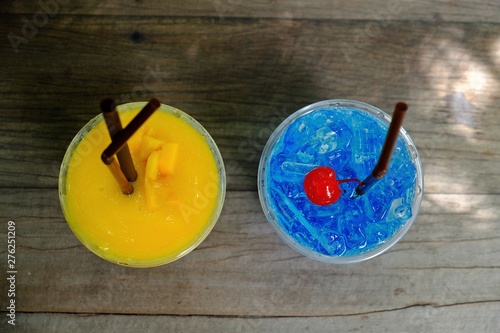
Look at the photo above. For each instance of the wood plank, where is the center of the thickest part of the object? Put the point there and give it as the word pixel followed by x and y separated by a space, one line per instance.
pixel 240 68
pixel 448 259
pixel 241 78
pixel 377 10
pixel 465 318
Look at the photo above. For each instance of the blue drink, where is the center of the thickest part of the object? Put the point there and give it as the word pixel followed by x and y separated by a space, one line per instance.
pixel 346 136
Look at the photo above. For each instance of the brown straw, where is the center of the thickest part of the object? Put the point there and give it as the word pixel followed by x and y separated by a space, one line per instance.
pixel 126 187
pixel 385 156
pixel 125 134
pixel 108 108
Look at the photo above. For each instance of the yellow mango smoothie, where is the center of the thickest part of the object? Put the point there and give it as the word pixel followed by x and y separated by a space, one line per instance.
pixel 177 198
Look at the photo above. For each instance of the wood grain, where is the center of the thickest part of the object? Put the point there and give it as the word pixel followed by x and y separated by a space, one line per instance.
pixel 244 269
pixel 240 79
pixel 377 10
pixel 240 68
pixel 428 318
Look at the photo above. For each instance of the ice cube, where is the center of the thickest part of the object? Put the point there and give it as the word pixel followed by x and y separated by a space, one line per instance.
pixel 399 210
pixel 297 168
pixel 291 190
pixel 376 233
pixel 337 159
pixel 287 216
pixel 297 129
pixel 326 140
pixel 342 133
pixel 377 201
pixel 287 203
pixel 403 211
pixel 335 244
pixel 353 229
pixel 304 158
pixel 290 171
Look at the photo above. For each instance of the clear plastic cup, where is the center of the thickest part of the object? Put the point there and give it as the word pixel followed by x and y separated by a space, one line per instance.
pixel 347 136
pixel 93 232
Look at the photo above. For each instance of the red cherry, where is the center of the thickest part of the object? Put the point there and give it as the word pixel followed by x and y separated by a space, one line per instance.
pixel 321 186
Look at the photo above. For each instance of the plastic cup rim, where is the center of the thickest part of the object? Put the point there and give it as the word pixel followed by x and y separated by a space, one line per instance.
pixel 218 160
pixel 419 186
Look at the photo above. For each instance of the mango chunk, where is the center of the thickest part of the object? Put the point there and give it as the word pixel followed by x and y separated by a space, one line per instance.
pixel 161 161
pixel 135 142
pixel 152 166
pixel 168 158
pixel 150 197
pixel 151 175
pixel 148 145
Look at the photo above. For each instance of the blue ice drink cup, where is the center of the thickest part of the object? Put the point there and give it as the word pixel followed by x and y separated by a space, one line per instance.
pixel 345 137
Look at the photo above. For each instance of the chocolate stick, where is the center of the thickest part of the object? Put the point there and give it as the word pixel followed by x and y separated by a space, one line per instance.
pixel 126 187
pixel 124 135
pixel 108 108
pixel 385 156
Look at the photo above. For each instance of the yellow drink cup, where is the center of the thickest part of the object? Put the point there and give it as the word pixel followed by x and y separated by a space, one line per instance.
pixel 177 199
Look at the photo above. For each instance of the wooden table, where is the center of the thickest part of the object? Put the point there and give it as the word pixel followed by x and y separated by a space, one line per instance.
pixel 240 68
